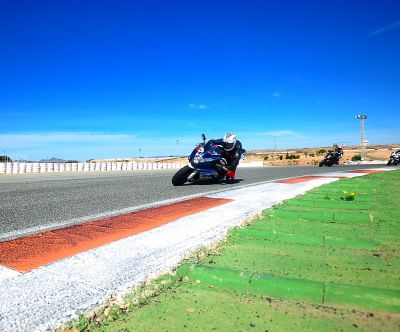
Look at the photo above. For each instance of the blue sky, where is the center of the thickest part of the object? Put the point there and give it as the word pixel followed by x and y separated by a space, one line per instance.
pixel 90 79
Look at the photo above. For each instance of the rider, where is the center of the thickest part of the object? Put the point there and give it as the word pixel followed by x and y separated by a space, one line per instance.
pixel 232 151
pixel 396 154
pixel 338 153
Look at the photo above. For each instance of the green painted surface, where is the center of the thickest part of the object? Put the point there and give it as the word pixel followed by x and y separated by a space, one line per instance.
pixel 287 288
pixel 316 196
pixel 348 243
pixel 330 204
pixel 193 308
pixel 272 286
pixel 217 278
pixel 356 217
pixel 269 234
pixel 287 214
pixel 315 263
pixel 294 289
pixel 363 297
pixel 310 239
pixel 275 273
pixel 299 238
pixel 316 209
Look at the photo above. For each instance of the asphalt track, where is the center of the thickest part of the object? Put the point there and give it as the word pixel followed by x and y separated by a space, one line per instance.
pixel 30 204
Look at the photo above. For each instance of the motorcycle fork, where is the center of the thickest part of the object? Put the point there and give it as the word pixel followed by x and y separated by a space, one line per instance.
pixel 192 175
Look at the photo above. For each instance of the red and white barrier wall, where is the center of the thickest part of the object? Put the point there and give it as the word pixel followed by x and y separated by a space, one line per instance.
pixel 21 168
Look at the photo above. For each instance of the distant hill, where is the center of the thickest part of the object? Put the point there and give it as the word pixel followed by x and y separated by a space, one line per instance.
pixel 52 160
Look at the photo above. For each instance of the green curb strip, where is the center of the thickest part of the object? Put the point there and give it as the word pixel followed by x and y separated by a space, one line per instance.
pixel 324 240
pixel 363 297
pixel 321 216
pixel 366 298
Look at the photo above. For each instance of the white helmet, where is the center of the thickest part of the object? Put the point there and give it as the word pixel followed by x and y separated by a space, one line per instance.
pixel 229 141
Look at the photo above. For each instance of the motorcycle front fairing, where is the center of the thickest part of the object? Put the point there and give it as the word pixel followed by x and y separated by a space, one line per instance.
pixel 205 157
pixel 203 160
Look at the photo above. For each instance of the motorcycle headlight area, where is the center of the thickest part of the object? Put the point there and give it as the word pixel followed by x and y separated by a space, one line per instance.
pixel 198 158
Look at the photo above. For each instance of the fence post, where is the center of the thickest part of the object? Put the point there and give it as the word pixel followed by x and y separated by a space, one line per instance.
pixel 28 168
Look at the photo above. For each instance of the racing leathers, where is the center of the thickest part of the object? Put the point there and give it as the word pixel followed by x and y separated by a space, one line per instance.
pixel 232 157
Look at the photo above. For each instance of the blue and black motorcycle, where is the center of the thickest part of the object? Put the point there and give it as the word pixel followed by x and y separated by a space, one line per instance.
pixel 394 158
pixel 330 159
pixel 205 163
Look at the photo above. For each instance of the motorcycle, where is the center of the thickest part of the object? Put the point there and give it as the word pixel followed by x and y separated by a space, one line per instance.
pixel 329 160
pixel 394 159
pixel 205 163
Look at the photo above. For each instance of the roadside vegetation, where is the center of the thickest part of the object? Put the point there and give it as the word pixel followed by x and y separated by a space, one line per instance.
pixel 328 260
pixel 314 156
pixel 5 159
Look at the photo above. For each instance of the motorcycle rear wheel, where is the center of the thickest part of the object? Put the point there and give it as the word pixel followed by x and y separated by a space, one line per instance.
pixel 181 176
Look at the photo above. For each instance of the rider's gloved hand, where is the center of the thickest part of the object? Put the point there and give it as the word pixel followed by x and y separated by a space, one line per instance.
pixel 230 174
pixel 223 163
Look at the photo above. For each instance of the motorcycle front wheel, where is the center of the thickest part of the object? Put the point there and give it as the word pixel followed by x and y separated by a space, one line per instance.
pixel 181 176
pixel 389 162
pixel 321 163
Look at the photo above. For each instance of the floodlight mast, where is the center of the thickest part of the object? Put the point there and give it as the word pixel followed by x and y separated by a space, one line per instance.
pixel 363 142
pixel 177 152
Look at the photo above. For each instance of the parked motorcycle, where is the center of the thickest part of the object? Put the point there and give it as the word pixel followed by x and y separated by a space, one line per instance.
pixel 394 159
pixel 205 163
pixel 330 159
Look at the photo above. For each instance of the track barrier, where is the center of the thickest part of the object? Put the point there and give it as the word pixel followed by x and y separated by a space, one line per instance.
pixel 26 168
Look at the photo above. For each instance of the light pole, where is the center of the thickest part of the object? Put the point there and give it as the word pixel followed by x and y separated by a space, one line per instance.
pixel 363 142
pixel 274 137
pixel 177 152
